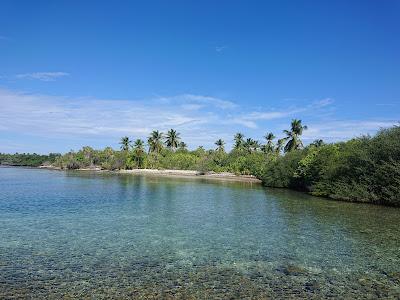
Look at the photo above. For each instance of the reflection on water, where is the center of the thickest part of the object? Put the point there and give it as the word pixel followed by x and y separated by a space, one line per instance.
pixel 77 235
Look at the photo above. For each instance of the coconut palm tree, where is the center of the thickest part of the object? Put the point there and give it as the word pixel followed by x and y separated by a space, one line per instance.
pixel 251 145
pixel 255 145
pixel 279 146
pixel 88 153
pixel 125 143
pixel 293 136
pixel 238 138
pixel 182 146
pixel 317 143
pixel 155 141
pixel 172 139
pixel 138 152
pixel 248 144
pixel 138 146
pixel 269 147
pixel 220 145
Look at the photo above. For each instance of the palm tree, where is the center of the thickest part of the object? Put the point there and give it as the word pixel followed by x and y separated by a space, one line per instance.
pixel 317 143
pixel 269 147
pixel 155 141
pixel 199 151
pixel 238 138
pixel 248 144
pixel 138 146
pixel 293 136
pixel 125 143
pixel 88 153
pixel 172 139
pixel 138 152
pixel 108 151
pixel 256 145
pixel 279 146
pixel 251 145
pixel 220 145
pixel 182 146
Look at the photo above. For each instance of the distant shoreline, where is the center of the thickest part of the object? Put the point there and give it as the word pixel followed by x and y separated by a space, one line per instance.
pixel 224 176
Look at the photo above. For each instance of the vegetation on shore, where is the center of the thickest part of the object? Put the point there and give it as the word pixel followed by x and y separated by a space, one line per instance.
pixel 27 159
pixel 363 169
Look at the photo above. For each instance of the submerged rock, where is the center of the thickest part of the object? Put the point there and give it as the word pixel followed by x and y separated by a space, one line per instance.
pixel 292 270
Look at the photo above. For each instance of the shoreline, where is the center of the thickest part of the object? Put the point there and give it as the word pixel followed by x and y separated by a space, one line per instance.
pixel 191 174
pixel 224 176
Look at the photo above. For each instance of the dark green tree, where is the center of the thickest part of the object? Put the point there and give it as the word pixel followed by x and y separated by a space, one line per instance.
pixel 182 146
pixel 139 152
pixel 317 143
pixel 155 141
pixel 172 139
pixel 269 147
pixel 293 136
pixel 220 145
pixel 238 138
pixel 125 143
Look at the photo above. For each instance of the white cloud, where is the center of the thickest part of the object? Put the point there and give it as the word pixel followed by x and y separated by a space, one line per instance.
pixel 198 101
pixel 249 119
pixel 43 76
pixel 270 115
pixel 244 122
pixel 200 119
pixel 83 118
pixel 340 130
pixel 220 48
pixel 321 103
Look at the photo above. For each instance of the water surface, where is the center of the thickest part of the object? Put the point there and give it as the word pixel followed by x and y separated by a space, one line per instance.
pixel 100 236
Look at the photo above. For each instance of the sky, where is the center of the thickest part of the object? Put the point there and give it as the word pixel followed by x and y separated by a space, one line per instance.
pixel 76 73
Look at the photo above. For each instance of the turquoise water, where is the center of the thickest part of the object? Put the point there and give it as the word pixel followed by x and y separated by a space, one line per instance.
pixel 85 235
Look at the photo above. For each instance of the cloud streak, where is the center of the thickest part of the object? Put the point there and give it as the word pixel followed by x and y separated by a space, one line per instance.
pixel 249 120
pixel 340 130
pixel 42 76
pixel 220 49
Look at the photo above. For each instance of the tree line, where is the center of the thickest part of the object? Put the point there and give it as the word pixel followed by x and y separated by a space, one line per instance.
pixel 27 159
pixel 363 169
pixel 172 141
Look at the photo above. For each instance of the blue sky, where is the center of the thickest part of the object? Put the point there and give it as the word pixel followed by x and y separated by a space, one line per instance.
pixel 75 73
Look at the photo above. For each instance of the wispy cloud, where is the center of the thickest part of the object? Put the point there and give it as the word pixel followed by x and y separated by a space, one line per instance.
pixel 220 49
pixel 200 119
pixel 249 119
pixel 86 117
pixel 43 76
pixel 339 130
pixel 196 102
pixel 388 104
pixel 220 103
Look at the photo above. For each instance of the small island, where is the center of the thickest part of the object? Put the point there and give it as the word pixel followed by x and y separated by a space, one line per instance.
pixel 364 169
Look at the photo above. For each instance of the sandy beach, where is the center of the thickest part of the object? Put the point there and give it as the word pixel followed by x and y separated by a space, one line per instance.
pixel 193 174
pixel 173 173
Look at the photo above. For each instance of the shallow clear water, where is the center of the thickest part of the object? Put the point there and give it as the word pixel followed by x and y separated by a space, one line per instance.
pixel 84 235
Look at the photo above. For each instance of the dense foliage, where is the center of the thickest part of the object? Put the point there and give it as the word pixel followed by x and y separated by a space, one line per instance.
pixel 364 169
pixel 28 160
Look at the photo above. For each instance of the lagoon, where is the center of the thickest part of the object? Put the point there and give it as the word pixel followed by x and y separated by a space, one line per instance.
pixel 99 235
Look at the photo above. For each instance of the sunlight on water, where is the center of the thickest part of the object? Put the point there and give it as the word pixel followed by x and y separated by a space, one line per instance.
pixel 80 235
